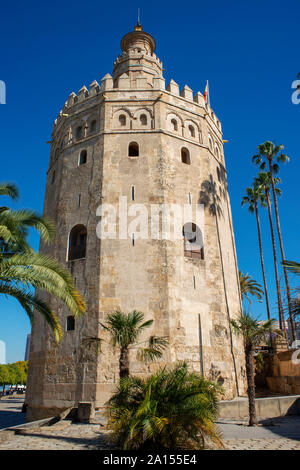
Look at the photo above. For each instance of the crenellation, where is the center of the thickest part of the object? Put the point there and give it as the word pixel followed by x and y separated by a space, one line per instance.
pixel 159 83
pixel 82 94
pixel 173 88
pixel 199 99
pixel 187 93
pixel 123 82
pixel 107 82
pixel 94 88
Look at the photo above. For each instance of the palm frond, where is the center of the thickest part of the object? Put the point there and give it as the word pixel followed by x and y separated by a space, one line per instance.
pixel 9 189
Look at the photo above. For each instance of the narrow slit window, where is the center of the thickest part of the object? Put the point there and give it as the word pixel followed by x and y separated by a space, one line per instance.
pixel 83 157
pixel 70 323
pixel 79 132
pixel 192 131
pixel 132 193
pixel 122 120
pixel 185 156
pixel 174 124
pixel 143 119
pixel 53 177
pixel 79 199
pixel 93 126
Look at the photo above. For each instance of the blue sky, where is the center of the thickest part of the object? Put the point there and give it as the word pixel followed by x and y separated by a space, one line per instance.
pixel 249 51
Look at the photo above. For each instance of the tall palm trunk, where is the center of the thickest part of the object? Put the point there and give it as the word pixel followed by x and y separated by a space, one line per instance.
pixel 288 292
pixel 251 384
pixel 226 301
pixel 280 313
pixel 124 362
pixel 262 261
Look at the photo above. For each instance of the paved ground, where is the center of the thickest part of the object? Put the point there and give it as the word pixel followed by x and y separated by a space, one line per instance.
pixel 279 433
pixel 10 412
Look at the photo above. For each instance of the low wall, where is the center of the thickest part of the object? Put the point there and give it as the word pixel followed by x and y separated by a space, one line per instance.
pixel 285 376
pixel 269 407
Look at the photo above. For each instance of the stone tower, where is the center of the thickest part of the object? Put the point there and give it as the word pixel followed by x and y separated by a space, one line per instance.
pixel 151 145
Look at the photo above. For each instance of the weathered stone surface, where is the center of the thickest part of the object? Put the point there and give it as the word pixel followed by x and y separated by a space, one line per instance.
pixel 86 412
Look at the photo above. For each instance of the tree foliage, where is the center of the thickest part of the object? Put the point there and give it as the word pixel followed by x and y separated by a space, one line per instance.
pixel 22 270
pixel 172 409
pixel 14 374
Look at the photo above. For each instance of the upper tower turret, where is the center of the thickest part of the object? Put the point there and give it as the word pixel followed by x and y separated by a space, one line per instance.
pixel 138 57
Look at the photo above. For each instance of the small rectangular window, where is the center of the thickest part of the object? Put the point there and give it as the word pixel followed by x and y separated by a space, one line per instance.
pixel 70 323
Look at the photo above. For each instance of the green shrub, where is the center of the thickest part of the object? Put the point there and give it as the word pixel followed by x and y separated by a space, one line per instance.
pixel 172 409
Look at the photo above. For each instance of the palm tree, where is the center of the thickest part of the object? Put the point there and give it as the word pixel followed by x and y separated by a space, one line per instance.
pixel 172 409
pixel 249 287
pixel 124 330
pixel 271 154
pixel 253 332
pixel 211 200
pixel 254 196
pixel 294 267
pixel 21 269
pixel 263 182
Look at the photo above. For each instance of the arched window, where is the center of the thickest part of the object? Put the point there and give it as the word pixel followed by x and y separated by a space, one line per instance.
pixel 79 132
pixel 217 151
pixel 82 157
pixel 192 131
pixel 122 120
pixel 133 149
pixel 193 241
pixel 70 323
pixel 174 124
pixel 185 156
pixel 77 242
pixel 210 143
pixel 143 119
pixel 93 126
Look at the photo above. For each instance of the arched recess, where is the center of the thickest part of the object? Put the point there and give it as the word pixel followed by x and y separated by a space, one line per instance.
pixel 191 130
pixel 122 119
pixel 92 125
pixel 142 119
pixel 78 130
pixel 193 241
pixel 77 242
pixel 174 123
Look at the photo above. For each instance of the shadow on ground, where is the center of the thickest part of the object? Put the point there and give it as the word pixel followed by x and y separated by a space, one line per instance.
pixel 10 412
